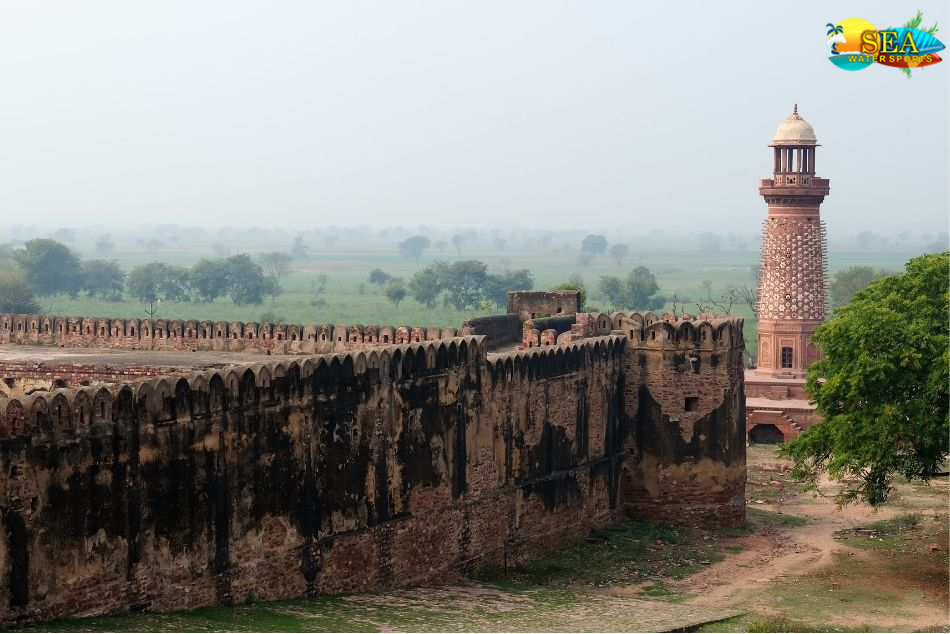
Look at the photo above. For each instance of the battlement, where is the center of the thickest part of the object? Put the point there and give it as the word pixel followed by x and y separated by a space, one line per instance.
pixel 190 334
pixel 171 398
pixel 645 330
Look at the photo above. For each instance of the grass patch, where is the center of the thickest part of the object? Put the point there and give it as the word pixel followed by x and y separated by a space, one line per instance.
pixel 886 534
pixel 659 590
pixel 624 553
pixel 771 518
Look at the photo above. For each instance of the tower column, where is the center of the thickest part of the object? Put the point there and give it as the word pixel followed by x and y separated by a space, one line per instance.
pixel 792 285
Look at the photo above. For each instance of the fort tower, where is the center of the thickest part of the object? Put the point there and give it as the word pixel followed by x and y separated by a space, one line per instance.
pixel 792 282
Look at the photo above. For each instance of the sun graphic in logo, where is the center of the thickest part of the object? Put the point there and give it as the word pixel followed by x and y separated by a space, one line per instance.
pixel 844 44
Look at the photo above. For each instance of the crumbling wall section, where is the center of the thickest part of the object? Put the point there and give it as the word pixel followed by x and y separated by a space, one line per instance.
pixel 342 472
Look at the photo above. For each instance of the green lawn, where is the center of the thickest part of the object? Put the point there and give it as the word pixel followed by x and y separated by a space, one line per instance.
pixel 349 298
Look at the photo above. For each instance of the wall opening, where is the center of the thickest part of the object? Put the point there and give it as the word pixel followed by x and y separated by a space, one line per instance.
pixel 786 357
pixel 692 404
pixel 766 434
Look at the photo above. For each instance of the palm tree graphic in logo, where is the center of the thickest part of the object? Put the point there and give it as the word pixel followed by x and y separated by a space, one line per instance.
pixel 835 37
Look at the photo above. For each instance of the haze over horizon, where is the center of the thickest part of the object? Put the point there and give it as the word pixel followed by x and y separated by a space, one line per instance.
pixel 545 114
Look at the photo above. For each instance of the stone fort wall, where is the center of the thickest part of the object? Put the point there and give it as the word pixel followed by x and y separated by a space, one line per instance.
pixel 384 466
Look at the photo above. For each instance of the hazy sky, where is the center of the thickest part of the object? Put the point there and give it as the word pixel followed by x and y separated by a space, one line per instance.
pixel 572 114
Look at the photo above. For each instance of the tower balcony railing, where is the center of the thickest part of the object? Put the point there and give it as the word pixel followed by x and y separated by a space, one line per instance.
pixel 795 180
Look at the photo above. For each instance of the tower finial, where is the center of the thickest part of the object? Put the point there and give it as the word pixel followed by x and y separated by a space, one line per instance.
pixel 795 111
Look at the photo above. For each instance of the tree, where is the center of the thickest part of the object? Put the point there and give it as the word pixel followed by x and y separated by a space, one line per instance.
pixel 457 240
pixel 157 281
pixel 642 290
pixel 103 279
pixel 584 258
pixel 413 247
pixel 300 250
pixel 881 386
pixel 440 245
pixel 849 281
pixel 396 293
pixel 574 284
pixel 619 252
pixel 425 286
pixel 209 279
pixel 16 295
pixel 64 234
pixel 612 287
pixel 246 283
pixel 50 267
pixel 594 243
pixel 637 291
pixel 497 285
pixel 379 277
pixel 464 282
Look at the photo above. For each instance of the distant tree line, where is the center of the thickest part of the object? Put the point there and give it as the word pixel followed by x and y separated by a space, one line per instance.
pixel 463 285
pixel 48 267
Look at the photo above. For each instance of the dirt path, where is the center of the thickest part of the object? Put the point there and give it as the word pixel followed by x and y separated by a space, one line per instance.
pixel 776 555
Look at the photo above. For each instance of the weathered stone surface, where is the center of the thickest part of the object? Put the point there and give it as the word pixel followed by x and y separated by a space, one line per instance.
pixel 384 466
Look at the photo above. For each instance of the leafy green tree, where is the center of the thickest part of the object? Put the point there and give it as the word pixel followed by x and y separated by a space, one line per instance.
pixel 594 244
pixel 575 284
pixel 50 267
pixel 425 286
pixel 497 285
pixel 379 277
pixel 16 295
pixel 209 278
pixel 246 282
pixel 464 282
pixel 157 281
pixel 396 293
pixel 103 279
pixel 846 283
pixel 636 291
pixel 641 289
pixel 881 386
pixel 612 287
pixel 413 247
pixel 619 252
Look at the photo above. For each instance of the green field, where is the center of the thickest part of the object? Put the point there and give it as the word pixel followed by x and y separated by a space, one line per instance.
pixel 679 266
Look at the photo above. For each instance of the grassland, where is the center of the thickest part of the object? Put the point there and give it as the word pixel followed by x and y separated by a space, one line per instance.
pixel 680 269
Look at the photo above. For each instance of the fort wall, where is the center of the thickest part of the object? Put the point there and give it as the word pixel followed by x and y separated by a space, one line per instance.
pixel 184 335
pixel 380 466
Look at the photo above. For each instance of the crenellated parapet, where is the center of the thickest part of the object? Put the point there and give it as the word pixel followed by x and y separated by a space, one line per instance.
pixel 189 334
pixel 171 398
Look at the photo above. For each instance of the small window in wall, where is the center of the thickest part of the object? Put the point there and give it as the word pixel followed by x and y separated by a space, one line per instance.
pixel 692 403
pixel 786 357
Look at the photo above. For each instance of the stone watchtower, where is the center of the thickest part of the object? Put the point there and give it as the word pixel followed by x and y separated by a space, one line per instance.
pixel 792 282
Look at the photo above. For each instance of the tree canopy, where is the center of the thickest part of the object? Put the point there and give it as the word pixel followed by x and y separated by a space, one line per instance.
pixel 103 279
pixel 50 267
pixel 16 296
pixel 413 247
pixel 881 386
pixel 594 243
pixel 158 281
pixel 636 291
pixel 849 281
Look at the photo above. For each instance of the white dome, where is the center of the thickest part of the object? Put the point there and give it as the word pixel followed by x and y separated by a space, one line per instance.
pixel 794 131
